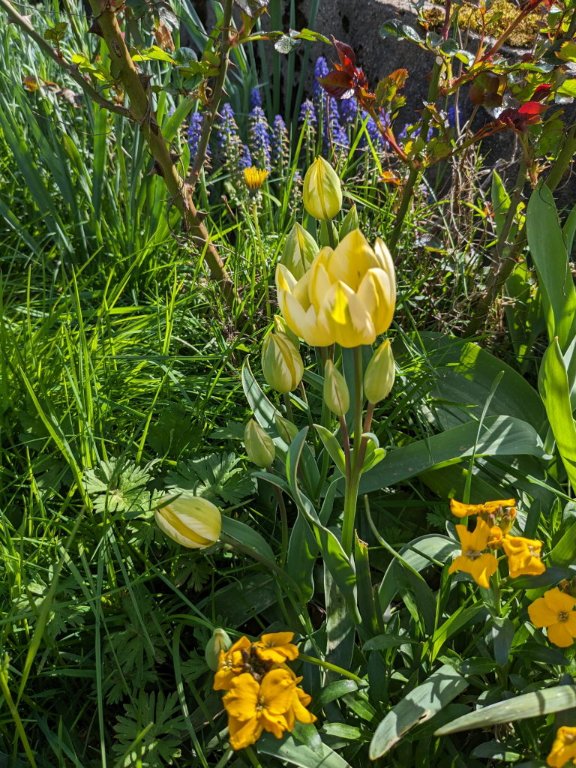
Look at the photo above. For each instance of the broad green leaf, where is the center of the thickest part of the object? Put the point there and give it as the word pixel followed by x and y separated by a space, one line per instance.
pixel 239 601
pixel 564 551
pixel 461 618
pixel 569 230
pixel 333 554
pixel 548 249
pixel 384 642
pixel 531 704
pixel 238 533
pixel 403 573
pixel 291 753
pixel 332 445
pixel 302 553
pixel 173 123
pixel 500 201
pixel 464 379
pixel 498 436
pixel 336 690
pixel 416 707
pixel 555 391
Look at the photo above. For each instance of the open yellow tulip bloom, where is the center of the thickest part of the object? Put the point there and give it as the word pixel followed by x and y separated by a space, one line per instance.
pixel 347 297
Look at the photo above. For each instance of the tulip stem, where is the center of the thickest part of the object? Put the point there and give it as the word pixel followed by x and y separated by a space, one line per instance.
pixel 355 465
pixel 284 526
pixel 332 668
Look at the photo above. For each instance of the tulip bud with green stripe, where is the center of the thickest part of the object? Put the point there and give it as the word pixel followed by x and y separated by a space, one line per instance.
pixel 191 521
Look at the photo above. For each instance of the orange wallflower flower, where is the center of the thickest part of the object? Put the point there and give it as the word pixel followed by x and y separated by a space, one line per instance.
pixel 276 647
pixel 564 748
pixel 554 610
pixel 489 507
pixel 255 707
pixel 231 663
pixel 523 556
pixel 474 560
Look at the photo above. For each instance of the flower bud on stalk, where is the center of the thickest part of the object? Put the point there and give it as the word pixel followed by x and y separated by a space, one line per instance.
pixel 322 192
pixel 336 394
pixel 380 373
pixel 259 445
pixel 220 641
pixel 299 251
pixel 282 364
pixel 191 521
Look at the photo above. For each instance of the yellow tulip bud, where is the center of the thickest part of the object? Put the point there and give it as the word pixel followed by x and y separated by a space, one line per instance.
pixel 191 521
pixel 380 373
pixel 322 192
pixel 299 251
pixel 282 364
pixel 281 326
pixel 259 445
pixel 336 394
pixel 286 429
pixel 220 641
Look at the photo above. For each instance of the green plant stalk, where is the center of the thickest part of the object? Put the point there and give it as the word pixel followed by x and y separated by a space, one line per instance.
pixel 332 668
pixel 211 112
pixel 284 526
pixel 142 112
pixel 262 258
pixel 14 712
pixel 352 483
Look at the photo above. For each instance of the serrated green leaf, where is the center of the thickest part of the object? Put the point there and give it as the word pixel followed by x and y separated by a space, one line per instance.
pixel 532 704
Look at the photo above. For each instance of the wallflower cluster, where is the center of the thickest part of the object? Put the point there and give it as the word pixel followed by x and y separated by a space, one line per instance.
pixel 262 692
pixel 555 610
pixel 492 532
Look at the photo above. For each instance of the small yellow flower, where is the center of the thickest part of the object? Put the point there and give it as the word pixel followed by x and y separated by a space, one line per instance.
pixel 254 178
pixel 554 610
pixel 523 556
pixel 489 507
pixel 496 537
pixel 276 647
pixel 564 748
pixel 474 560
pixel 298 711
pixel 255 707
pixel 231 664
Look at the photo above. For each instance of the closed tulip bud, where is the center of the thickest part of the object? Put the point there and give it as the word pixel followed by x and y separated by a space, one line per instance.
pixel 218 643
pixel 350 222
pixel 380 373
pixel 191 521
pixel 259 445
pixel 286 429
pixel 282 364
pixel 322 193
pixel 281 326
pixel 299 251
pixel 336 394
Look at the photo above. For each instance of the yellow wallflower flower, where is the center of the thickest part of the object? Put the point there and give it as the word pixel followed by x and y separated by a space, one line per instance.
pixel 564 748
pixel 554 610
pixel 254 178
pixel 255 707
pixel 276 647
pixel 523 556
pixel 489 507
pixel 347 296
pixel 231 664
pixel 474 560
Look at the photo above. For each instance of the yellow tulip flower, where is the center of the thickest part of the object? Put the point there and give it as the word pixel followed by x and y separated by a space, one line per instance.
pixel 347 297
